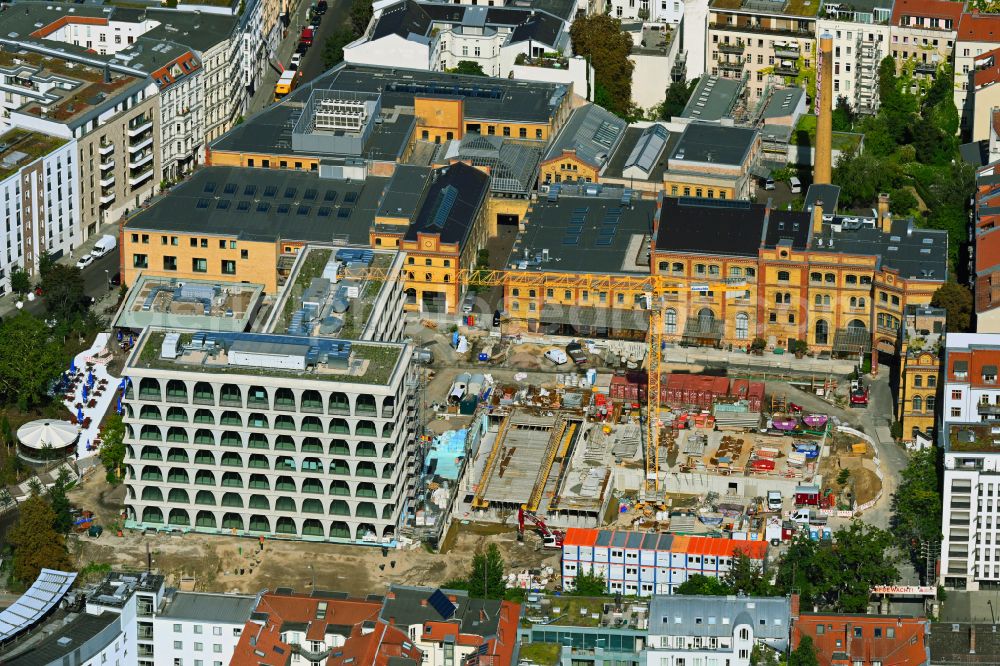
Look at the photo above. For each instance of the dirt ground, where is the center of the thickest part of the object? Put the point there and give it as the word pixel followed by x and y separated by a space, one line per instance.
pixel 863 481
pixel 235 564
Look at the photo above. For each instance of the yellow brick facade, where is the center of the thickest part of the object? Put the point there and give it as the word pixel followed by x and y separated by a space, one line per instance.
pixel 199 256
pixel 567 167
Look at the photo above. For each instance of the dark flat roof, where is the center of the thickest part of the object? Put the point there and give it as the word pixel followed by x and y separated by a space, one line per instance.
pixel 586 234
pixel 69 639
pixel 787 227
pixel 616 165
pixel 403 193
pixel 715 144
pixel 710 226
pixel 250 204
pixel 454 198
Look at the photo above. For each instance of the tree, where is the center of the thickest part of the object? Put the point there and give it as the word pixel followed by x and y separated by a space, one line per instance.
pixel 470 67
pixel 916 506
pixel 677 98
pixel 37 545
pixel 707 585
pixel 333 48
pixel 361 14
pixel 63 519
pixel 862 176
pixel 65 299
pixel 112 451
pixel 746 576
pixel 804 654
pixel 838 575
pixel 589 584
pixel 20 283
pixel 843 116
pixel 29 360
pixel 956 299
pixel 902 202
pixel 486 580
pixel 599 38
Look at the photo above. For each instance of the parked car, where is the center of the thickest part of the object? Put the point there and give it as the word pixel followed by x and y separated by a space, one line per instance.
pixel 296 60
pixel 469 303
pixel 85 261
pixel 575 351
pixel 769 183
pixel 316 20
pixel 301 48
pixel 321 7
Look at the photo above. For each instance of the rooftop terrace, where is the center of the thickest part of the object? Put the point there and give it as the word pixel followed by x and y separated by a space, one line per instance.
pixel 972 437
pixel 803 8
pixel 157 301
pixel 20 147
pixel 254 354
pixel 592 612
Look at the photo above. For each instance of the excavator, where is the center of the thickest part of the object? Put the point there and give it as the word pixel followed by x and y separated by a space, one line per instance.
pixel 550 538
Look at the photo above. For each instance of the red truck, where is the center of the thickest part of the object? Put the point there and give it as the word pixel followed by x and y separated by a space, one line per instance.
pixel 307 35
pixel 859 394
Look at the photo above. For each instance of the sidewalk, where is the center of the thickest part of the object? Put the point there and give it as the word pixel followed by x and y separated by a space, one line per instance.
pixel 265 93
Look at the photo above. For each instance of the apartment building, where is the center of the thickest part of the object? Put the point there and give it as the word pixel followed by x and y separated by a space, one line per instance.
pixel 436 36
pixel 687 629
pixel 200 629
pixel 647 564
pixel 292 433
pixel 921 349
pixel 653 11
pixel 451 627
pixel 113 118
pixel 763 44
pixel 923 31
pixel 861 38
pixel 321 627
pixel 978 35
pixel 969 557
pixel 866 640
pixel 38 198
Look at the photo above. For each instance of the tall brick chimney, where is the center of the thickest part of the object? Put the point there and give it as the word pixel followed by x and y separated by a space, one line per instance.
pixel 822 172
pixel 972 639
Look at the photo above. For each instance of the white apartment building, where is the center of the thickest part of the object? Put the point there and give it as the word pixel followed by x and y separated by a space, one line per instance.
pixel 38 200
pixel 715 631
pixel 860 42
pixel 977 34
pixel 765 45
pixel 970 439
pixel 923 31
pixel 437 37
pixel 655 11
pixel 200 629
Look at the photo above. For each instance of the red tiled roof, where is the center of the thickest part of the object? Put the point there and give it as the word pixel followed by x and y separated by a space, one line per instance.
pixel 186 64
pixel 944 9
pixel 996 121
pixel 63 21
pixel 976 27
pixel 262 644
pixel 374 648
pixel 987 69
pixel 988 250
pixel 907 647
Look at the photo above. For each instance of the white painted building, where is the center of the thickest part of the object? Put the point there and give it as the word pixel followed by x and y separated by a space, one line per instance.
pixel 656 11
pixel 970 439
pixel 694 31
pixel 38 200
pixel 715 631
pixel 200 629
pixel 860 42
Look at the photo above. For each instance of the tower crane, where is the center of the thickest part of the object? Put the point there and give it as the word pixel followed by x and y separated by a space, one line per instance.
pixel 658 291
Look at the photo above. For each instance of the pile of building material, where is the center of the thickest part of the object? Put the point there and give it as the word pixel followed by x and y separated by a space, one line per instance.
pixel 628 438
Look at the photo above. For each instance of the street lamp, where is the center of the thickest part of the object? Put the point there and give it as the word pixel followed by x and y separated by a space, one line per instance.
pixel 107 276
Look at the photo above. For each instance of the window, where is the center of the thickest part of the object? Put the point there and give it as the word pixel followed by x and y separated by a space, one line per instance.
pixel 956 412
pixel 670 321
pixel 177 628
pixel 199 265
pixel 931 381
pixel 170 263
pixel 783 276
pixel 244 254
pixel 878 632
pixel 918 404
pixel 198 628
pixel 918 381
pixel 198 647
pixel 956 394
pixel 178 645
pixel 228 267
pixel 216 631
pixel 140 261
pixel 742 326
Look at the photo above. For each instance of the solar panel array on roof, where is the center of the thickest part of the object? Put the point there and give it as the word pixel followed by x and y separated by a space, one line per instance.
pixel 442 604
pixel 230 188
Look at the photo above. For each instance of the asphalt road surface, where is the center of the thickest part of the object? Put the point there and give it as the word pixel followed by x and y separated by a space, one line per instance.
pixel 95 282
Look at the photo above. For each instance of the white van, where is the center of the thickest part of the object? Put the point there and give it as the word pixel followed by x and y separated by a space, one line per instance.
pixel 774 500
pixel 557 356
pixel 795 184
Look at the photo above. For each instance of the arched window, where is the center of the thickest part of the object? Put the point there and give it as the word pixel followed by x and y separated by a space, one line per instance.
pixel 822 332
pixel 918 403
pixel 706 319
pixel 670 321
pixel 742 326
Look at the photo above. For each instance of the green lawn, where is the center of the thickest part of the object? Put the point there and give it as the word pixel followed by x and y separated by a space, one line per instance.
pixel 541 653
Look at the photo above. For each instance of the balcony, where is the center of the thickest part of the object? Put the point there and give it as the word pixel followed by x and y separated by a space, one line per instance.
pixel 986 409
pixel 107 164
pixel 731 47
pixel 145 143
pixel 108 180
pixel 137 180
pixel 786 69
pixel 761 29
pixel 141 159
pixel 787 52
pixel 138 126
pixel 107 198
pixel 106 149
pixel 731 66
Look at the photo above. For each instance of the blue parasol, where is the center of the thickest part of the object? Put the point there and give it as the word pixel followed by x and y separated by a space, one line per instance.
pixel 72 366
pixel 119 336
pixel 79 415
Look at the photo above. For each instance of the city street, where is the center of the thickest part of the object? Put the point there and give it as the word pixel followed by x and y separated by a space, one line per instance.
pixel 95 282
pixel 312 64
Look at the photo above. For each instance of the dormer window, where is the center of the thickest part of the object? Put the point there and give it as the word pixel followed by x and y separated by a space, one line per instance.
pixel 989 374
pixel 960 369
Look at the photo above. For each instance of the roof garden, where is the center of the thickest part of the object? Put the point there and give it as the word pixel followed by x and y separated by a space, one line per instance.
pixel 194 305
pixel 788 8
pixel 974 438
pixel 362 363
pixel 572 611
pixel 20 147
pixel 805 134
